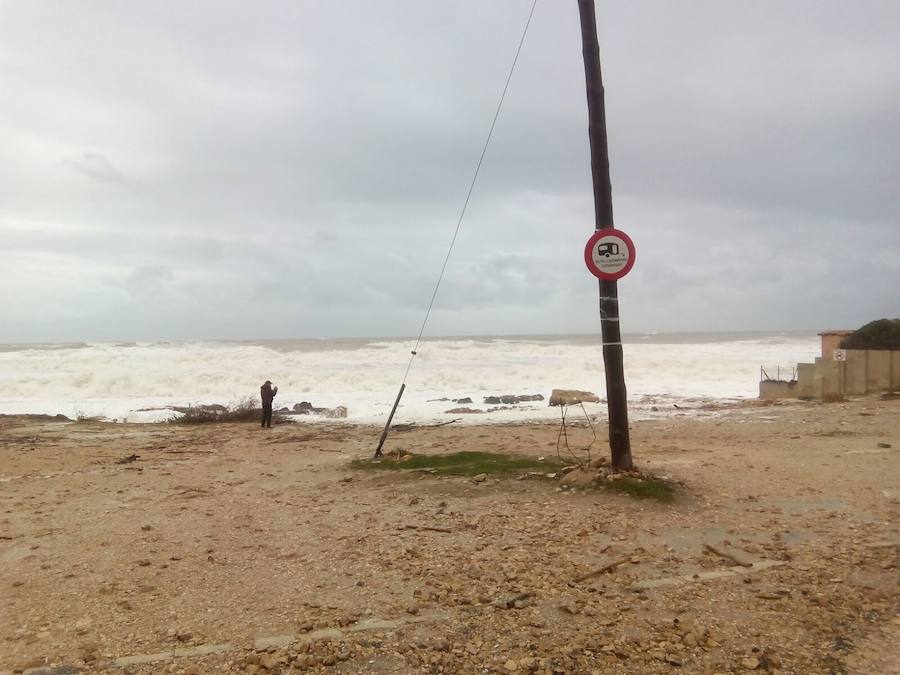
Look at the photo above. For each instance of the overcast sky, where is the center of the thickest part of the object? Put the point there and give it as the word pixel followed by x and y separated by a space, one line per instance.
pixel 278 169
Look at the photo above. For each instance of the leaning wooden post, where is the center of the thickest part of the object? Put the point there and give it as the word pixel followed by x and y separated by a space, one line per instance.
pixel 387 425
pixel 619 441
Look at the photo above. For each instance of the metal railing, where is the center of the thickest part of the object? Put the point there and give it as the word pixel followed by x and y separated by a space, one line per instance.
pixel 779 370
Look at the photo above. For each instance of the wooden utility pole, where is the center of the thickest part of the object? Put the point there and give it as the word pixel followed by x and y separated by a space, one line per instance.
pixel 617 404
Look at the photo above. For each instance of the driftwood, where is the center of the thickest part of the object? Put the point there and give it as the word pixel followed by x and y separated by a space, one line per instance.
pixel 743 562
pixel 609 567
pixel 427 528
pixel 413 425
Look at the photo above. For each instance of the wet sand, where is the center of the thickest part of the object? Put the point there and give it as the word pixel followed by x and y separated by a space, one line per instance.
pixel 224 547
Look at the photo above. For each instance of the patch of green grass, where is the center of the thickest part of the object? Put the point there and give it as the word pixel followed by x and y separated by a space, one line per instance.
pixel 643 488
pixel 460 464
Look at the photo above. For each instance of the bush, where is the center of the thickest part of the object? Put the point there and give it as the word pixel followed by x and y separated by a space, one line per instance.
pixel 245 410
pixel 880 334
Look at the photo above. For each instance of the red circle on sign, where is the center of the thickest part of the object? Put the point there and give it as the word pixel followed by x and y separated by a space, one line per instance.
pixel 617 262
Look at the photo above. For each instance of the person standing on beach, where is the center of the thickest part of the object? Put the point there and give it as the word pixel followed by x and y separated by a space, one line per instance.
pixel 267 393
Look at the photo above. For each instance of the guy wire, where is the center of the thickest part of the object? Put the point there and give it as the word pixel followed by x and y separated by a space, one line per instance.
pixel 471 188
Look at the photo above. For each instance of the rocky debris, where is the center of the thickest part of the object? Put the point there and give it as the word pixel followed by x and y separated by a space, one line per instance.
pixel 307 408
pixel 205 407
pixel 582 478
pixel 511 399
pixel 463 411
pixel 515 601
pixel 500 539
pixel 38 417
pixel 750 663
pixel 572 397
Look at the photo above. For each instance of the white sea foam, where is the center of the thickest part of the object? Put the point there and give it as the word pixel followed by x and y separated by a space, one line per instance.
pixel 117 380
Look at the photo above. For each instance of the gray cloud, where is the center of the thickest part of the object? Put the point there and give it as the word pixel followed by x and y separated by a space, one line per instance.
pixel 95 165
pixel 299 169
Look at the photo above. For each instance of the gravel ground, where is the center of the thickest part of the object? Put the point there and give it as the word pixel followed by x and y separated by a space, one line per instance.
pixel 224 547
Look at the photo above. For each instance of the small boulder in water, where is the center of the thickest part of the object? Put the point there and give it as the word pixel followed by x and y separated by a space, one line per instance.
pixel 307 408
pixel 509 399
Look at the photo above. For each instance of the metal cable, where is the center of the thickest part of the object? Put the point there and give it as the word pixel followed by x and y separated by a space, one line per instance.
pixel 469 193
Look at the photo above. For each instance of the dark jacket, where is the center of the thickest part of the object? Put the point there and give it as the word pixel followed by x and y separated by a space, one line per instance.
pixel 267 393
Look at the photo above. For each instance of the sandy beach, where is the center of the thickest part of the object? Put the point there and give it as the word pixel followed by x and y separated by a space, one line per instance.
pixel 222 547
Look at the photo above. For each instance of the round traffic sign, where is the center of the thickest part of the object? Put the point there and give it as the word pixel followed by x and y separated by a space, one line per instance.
pixel 609 254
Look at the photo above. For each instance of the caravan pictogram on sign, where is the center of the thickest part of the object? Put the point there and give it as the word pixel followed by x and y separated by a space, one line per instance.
pixel 609 254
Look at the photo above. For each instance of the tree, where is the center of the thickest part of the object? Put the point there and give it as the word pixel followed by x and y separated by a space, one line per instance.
pixel 880 334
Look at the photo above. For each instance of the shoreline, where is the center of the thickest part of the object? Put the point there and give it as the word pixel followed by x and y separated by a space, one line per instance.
pixel 646 408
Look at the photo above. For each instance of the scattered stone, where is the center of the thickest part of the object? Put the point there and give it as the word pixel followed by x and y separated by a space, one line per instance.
pixel 750 663
pixel 480 478
pixel 512 399
pixel 884 445
pixel 517 601
pixel 581 479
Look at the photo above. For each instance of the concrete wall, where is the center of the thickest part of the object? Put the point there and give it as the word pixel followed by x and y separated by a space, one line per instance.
pixel 863 372
pixel 855 378
pixel 878 370
pixel 770 390
pixel 832 374
pixel 806 388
